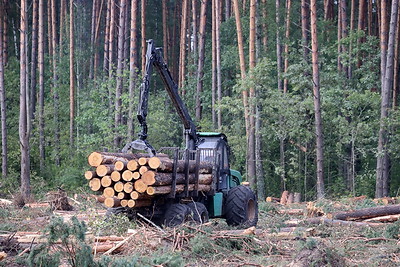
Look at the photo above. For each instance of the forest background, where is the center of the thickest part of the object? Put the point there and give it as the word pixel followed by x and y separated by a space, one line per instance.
pixel 306 91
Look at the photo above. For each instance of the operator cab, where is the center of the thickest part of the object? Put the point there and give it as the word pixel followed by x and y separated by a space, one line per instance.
pixel 214 148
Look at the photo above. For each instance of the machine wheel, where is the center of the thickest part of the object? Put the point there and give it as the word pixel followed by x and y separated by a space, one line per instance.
pixel 241 207
pixel 199 212
pixel 176 214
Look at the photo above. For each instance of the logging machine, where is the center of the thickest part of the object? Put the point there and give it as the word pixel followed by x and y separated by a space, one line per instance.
pixel 228 198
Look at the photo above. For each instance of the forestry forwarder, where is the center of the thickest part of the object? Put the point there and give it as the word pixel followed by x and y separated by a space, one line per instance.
pixel 227 198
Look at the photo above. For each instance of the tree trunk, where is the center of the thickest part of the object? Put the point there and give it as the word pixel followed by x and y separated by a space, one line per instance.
pixel 165 29
pixel 96 40
pixel 106 37
pixel 361 27
pixel 182 54
pixel 195 42
pixel 118 91
pixel 143 36
pixel 32 96
pixel 382 169
pixel 317 102
pixel 396 65
pixel 218 63
pixel 23 113
pixel 92 33
pixel 41 87
pixel 367 213
pixel 3 21
pixel 264 25
pixel 4 152
pixel 55 84
pixel 49 29
pixel 286 49
pixel 328 9
pixel 111 41
pixel 62 26
pixel 200 64
pixel 71 75
pixel 133 66
pixel 213 65
pixel 261 194
pixel 305 14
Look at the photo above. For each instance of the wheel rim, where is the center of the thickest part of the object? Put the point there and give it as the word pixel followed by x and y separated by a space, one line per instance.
pixel 251 209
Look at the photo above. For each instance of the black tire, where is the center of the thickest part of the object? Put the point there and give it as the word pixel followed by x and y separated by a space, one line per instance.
pixel 176 214
pixel 199 212
pixel 241 207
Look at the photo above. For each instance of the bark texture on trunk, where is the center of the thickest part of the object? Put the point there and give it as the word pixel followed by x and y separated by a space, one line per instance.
pixel 317 102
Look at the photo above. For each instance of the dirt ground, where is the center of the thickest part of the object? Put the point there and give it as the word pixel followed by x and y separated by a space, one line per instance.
pixel 283 237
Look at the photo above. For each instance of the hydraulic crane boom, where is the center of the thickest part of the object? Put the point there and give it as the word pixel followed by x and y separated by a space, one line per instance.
pixel 155 59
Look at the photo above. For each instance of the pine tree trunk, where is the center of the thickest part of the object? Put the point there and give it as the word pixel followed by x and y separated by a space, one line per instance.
pixel 41 87
pixel 143 27
pixel 23 113
pixel 106 37
pixel 200 64
pixel 133 66
pixel 5 36
pixel 396 65
pixel 305 14
pixel 370 18
pixel 62 26
pixel 32 96
pixel 4 152
pixel 361 27
pixel 228 8
pixel 195 42
pixel 317 102
pixel 165 29
pixel 328 9
pixel 111 42
pixel 49 29
pixel 182 54
pixel 92 33
pixel 218 63
pixel 71 75
pixel 382 169
pixel 286 49
pixel 118 92
pixel 55 84
pixel 96 40
pixel 264 24
pixel 213 65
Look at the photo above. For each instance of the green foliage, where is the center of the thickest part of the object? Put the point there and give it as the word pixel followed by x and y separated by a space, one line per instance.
pixel 116 224
pixel 72 247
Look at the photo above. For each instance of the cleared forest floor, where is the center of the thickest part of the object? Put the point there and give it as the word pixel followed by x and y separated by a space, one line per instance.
pixel 284 237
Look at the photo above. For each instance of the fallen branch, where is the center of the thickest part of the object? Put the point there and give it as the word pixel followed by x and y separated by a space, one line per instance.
pixel 120 244
pixel 387 218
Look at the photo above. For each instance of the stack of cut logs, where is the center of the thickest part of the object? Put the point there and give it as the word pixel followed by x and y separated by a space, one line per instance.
pixel 132 180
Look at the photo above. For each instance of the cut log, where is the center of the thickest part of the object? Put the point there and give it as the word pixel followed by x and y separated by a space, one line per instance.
pixel 90 174
pixel 131 203
pixel 162 178
pixel 100 198
pixel 132 165
pixel 292 212
pixel 95 184
pixel 367 213
pixel 124 203
pixel 284 197
pixel 149 177
pixel 297 197
pixel 326 221
pixel 387 218
pixel 120 165
pixel 128 187
pixel 119 187
pixel 154 163
pixel 104 170
pixel 127 175
pixel 111 202
pixel 108 192
pixel 101 248
pixel 136 195
pixel 97 158
pixel 143 169
pixel 142 161
pixel 161 190
pixel 122 195
pixel 115 176
pixel 290 198
pixel 140 186
pixel 135 175
pixel 108 238
pixel 166 165
pixel 106 181
pixel 273 199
